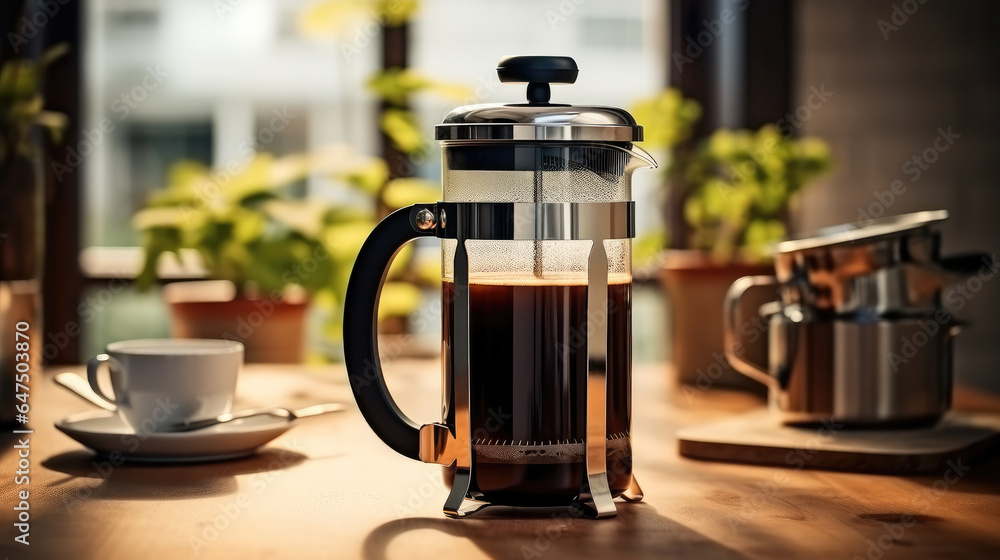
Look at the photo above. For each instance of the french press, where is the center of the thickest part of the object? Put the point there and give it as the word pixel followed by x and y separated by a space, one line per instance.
pixel 535 225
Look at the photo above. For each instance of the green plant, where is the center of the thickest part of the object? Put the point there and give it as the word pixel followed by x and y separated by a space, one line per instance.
pixel 740 184
pixel 396 87
pixel 245 226
pixel 22 189
pixel 22 106
pixel 667 120
pixel 736 184
pixel 249 228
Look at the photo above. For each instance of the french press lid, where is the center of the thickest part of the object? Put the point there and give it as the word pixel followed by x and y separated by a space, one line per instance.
pixel 538 119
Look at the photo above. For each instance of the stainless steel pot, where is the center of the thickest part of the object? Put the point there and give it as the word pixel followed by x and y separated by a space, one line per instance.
pixel 857 334
pixel 855 371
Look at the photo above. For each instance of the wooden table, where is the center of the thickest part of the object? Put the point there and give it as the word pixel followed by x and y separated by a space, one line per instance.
pixel 330 489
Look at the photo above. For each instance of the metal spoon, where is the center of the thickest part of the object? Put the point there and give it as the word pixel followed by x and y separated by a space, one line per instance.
pixel 284 413
pixel 81 388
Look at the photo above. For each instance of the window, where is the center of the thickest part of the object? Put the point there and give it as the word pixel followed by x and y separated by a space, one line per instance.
pixel 184 79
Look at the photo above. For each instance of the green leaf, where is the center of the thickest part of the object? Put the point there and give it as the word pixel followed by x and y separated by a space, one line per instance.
pixel 253 179
pixel 332 17
pixel 157 241
pixel 343 241
pixel 303 216
pixel 54 122
pixel 667 119
pixel 18 79
pixel 158 217
pixel 760 235
pixel 741 184
pixel 396 85
pixel 53 53
pixel 402 128
pixel 396 12
pixel 368 177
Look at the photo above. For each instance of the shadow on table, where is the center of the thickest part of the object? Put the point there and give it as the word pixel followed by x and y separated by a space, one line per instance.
pixel 501 532
pixel 150 481
pixel 979 476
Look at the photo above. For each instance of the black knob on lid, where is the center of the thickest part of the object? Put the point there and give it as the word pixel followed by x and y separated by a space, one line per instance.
pixel 538 72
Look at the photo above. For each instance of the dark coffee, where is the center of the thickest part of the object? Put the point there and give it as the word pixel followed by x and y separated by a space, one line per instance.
pixel 528 357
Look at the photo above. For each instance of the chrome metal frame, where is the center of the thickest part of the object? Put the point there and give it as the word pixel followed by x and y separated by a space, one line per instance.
pixel 538 132
pixel 596 222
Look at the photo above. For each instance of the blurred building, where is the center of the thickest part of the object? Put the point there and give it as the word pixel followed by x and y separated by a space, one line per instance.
pixel 189 79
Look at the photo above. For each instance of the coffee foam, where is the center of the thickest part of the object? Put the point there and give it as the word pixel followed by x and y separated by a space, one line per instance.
pixel 531 263
pixel 536 453
pixel 531 281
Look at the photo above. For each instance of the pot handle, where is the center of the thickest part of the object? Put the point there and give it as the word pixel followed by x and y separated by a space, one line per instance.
pixel 361 325
pixel 967 264
pixel 733 344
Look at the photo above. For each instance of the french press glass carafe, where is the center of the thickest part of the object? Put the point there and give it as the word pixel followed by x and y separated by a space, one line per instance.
pixel 535 225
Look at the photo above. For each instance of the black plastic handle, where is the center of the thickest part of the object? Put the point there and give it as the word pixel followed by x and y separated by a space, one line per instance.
pixel 538 72
pixel 361 329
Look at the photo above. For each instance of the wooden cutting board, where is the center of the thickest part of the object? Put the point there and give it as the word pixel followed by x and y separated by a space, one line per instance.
pixel 756 437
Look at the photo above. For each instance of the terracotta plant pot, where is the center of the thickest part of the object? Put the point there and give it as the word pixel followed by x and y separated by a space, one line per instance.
pixel 272 331
pixel 696 288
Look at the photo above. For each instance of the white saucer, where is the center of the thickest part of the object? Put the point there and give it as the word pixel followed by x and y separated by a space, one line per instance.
pixel 106 432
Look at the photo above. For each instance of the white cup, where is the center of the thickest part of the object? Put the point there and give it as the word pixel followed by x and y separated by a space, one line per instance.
pixel 160 383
